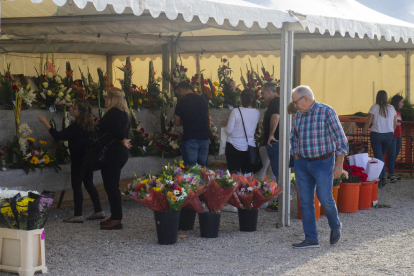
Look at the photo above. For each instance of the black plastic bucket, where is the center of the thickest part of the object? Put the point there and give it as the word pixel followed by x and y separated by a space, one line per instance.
pixel 209 225
pixel 166 223
pixel 248 219
pixel 187 219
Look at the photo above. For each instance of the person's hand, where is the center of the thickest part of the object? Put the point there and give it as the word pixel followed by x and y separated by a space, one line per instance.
pixel 296 156
pixel 337 171
pixel 126 143
pixel 42 119
pixel 271 139
pixel 224 122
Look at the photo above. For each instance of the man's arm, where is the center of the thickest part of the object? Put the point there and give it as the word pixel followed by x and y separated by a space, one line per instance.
pixel 177 121
pixel 339 162
pixel 341 143
pixel 274 121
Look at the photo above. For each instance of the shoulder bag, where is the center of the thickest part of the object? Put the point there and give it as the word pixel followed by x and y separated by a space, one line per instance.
pixel 254 154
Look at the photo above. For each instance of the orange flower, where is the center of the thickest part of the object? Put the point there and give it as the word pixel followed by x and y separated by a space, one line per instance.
pixel 106 78
pixel 127 66
pixel 69 73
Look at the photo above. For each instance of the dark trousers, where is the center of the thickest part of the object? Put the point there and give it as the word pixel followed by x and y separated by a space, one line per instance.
pixel 79 175
pixel 237 161
pixel 111 174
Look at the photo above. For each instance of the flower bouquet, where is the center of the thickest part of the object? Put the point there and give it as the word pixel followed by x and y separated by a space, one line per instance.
pixel 24 210
pixel 252 194
pixel 356 174
pixel 228 85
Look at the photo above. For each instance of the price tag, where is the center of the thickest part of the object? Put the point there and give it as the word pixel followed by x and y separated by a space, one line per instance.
pixel 210 102
pixel 14 103
pixel 375 202
pixel 52 108
pixel 144 148
pixel 231 107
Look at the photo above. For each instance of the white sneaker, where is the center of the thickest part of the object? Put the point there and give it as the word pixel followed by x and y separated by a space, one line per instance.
pixel 264 205
pixel 229 208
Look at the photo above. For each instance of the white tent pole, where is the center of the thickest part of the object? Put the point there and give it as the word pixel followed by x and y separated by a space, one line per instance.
pixel 286 78
pixel 407 74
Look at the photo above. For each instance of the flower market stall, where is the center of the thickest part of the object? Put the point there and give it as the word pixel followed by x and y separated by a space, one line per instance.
pixel 216 31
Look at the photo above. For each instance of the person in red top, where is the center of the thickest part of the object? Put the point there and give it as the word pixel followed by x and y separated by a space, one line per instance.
pixel 394 149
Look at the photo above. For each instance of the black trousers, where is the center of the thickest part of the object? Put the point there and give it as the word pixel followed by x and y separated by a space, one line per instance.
pixel 237 161
pixel 117 157
pixel 78 175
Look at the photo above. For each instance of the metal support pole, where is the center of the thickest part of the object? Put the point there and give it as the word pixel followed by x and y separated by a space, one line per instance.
pixel 407 74
pixel 165 67
pixel 286 78
pixel 109 69
pixel 297 68
pixel 198 70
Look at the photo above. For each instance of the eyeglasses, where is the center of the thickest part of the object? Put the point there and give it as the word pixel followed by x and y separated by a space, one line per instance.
pixel 296 102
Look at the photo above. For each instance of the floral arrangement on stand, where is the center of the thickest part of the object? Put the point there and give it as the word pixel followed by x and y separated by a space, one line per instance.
pixel 213 136
pixel 142 142
pixel 356 174
pixel 24 210
pixel 126 82
pixel 177 75
pixel 228 85
pixel 253 83
pixel 258 134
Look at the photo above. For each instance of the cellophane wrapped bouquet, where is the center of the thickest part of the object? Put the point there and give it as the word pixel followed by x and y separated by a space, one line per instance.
pixel 24 210
pixel 253 193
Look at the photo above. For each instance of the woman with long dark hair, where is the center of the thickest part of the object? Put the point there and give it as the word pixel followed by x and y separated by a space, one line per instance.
pixel 394 149
pixel 384 121
pixel 114 128
pixel 78 134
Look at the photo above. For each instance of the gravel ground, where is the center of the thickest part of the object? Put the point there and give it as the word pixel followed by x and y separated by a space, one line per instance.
pixel 375 242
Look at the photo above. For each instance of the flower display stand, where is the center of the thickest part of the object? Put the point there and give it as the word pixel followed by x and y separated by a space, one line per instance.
pixel 348 197
pixel 365 196
pixel 248 219
pixel 335 191
pixel 317 206
pixel 166 223
pixel 22 251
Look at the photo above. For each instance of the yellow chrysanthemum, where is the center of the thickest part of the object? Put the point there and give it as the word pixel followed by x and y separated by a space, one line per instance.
pixel 169 194
pixel 34 160
pixel 30 139
pixel 42 142
pixel 216 83
pixel 215 92
pixel 222 93
pixel 145 181
pixel 173 198
pixel 23 205
pixel 157 189
pixel 7 210
pixel 47 159
pixel 182 166
pixel 140 101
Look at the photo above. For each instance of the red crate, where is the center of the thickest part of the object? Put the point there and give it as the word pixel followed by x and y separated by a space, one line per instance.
pixel 404 157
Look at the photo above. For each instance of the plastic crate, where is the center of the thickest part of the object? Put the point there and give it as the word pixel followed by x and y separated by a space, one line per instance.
pixel 22 251
pixel 404 157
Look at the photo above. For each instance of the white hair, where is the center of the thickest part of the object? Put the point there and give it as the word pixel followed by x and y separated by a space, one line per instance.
pixel 304 90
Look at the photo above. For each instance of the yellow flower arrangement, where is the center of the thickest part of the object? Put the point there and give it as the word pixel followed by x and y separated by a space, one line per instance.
pixel 42 142
pixel 145 181
pixel 182 166
pixel 47 159
pixel 157 189
pixel 34 160
pixel 23 205
pixel 30 139
pixel 6 209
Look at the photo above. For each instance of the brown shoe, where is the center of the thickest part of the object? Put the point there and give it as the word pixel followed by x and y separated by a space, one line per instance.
pixel 106 221
pixel 112 225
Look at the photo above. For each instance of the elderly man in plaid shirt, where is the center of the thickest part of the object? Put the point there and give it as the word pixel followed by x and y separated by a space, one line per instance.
pixel 319 145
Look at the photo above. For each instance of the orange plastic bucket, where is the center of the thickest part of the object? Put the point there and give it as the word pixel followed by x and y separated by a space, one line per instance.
pixel 365 196
pixel 335 190
pixel 374 199
pixel 317 206
pixel 348 198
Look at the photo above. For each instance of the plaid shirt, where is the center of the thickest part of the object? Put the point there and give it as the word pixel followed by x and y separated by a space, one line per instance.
pixel 318 132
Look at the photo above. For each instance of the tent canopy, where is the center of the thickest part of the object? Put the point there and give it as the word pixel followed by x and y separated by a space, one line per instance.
pixel 112 27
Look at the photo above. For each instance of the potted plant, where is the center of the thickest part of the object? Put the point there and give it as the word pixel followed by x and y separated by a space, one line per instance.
pixel 348 197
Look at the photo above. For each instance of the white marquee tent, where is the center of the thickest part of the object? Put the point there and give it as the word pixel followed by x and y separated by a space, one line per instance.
pixel 187 26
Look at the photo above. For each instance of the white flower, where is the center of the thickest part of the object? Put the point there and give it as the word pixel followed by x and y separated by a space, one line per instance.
pixel 159 79
pixel 176 192
pixel 68 91
pixel 104 93
pixel 58 79
pixel 45 85
pixel 60 94
pixel 66 121
pixel 174 100
pixel 21 92
pixel 250 189
pixel 174 145
pixel 43 95
pixel 24 130
pixel 62 86
pixel 67 97
pixel 23 144
pixel 49 93
pixel 50 75
pixel 66 144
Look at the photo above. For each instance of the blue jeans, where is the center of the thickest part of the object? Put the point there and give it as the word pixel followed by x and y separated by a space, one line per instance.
pixel 380 143
pixel 319 174
pixel 273 153
pixel 195 151
pixel 393 151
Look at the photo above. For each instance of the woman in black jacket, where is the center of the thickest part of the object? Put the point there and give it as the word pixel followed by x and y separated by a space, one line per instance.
pixel 113 129
pixel 77 134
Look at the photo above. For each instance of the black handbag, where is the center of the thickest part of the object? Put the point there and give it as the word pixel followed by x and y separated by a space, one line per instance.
pixel 254 154
pixel 95 156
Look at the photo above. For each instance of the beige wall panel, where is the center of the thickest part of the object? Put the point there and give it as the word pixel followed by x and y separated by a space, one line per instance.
pixel 345 80
pixel 21 63
pixel 79 60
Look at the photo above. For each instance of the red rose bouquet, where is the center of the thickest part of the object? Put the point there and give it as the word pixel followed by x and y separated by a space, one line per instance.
pixel 356 174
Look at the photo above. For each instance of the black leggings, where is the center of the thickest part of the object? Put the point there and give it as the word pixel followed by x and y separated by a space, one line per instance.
pixel 79 175
pixel 111 174
pixel 237 161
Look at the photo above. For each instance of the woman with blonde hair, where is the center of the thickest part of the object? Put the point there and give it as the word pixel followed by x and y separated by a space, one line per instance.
pixel 78 134
pixel 114 128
